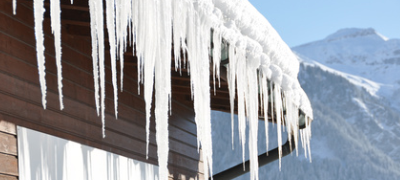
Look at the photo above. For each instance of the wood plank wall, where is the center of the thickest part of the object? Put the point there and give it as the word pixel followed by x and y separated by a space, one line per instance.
pixel 8 151
pixel 21 103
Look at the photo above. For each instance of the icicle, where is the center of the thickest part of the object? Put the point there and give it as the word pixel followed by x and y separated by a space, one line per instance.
pixel 72 1
pixel 241 88
pixel 146 45
pixel 14 3
pixel 264 91
pixel 306 136
pixel 39 17
pixel 100 40
pixel 252 114
pixel 55 12
pixel 95 53
pixel 278 105
pixel 198 51
pixel 308 130
pixel 179 25
pixel 123 16
pixel 287 118
pixel 163 84
pixel 97 36
pixel 134 21
pixel 231 71
pixel 216 56
pixel 303 142
pixel 110 10
pixel 293 113
pixel 271 87
pixel 291 116
pixel 295 126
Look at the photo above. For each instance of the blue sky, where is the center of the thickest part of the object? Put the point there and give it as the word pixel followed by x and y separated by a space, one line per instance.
pixel 302 21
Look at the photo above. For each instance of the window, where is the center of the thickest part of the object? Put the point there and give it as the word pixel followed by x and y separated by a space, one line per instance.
pixel 44 157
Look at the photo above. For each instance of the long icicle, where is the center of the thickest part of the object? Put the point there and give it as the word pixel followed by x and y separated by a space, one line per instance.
pixel 272 87
pixel 110 8
pixel 265 96
pixel 55 12
pixel 147 39
pixel 278 105
pixel 100 37
pixel 232 87
pixel 198 51
pixel 95 53
pixel 39 17
pixel 241 85
pixel 163 85
pixel 252 114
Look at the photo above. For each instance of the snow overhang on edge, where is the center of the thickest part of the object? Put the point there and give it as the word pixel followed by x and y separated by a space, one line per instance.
pixel 242 22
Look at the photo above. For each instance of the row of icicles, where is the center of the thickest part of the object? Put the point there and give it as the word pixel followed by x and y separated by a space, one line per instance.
pixel 149 25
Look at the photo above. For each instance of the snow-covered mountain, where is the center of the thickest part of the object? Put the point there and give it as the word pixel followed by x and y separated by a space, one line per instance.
pixel 364 53
pixel 352 85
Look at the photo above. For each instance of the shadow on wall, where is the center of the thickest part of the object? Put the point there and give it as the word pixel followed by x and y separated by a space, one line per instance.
pixel 44 157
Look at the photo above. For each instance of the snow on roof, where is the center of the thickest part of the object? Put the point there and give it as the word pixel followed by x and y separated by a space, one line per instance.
pixel 260 63
pixel 242 20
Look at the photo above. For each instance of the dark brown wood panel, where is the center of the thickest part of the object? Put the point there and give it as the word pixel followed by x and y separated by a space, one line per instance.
pixel 77 109
pixel 77 62
pixel 8 165
pixel 27 111
pixel 51 80
pixel 86 79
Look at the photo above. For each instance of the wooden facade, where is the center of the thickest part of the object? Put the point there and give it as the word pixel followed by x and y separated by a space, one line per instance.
pixel 21 103
pixel 8 151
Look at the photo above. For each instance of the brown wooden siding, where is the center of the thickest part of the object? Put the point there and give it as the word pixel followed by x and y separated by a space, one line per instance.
pixel 8 151
pixel 21 104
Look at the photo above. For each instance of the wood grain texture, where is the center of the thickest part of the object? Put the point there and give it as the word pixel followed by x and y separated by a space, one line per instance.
pixel 7 127
pixel 8 144
pixel 8 165
pixel 7 177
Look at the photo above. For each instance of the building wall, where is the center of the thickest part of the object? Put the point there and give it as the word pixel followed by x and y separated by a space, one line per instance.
pixel 21 103
pixel 8 151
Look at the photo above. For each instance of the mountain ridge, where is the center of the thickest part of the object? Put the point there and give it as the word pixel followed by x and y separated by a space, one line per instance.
pixel 368 55
pixel 354 33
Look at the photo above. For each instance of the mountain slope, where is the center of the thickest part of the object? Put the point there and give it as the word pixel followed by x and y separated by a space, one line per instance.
pixel 356 128
pixel 371 115
pixel 346 141
pixel 371 62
